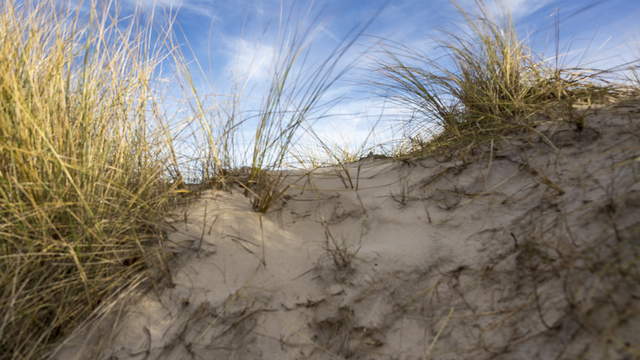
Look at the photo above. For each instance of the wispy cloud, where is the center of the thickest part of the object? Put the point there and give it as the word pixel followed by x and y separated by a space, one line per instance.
pixel 518 9
pixel 162 3
pixel 249 60
pixel 348 125
pixel 200 7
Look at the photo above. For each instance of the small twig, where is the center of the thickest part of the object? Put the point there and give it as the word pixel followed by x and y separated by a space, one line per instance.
pixel 486 177
pixel 427 354
pixel 538 307
pixel 264 260
pixel 204 226
pixel 426 210
pixel 358 176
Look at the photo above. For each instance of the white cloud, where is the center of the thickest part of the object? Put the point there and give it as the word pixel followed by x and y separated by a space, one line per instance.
pixel 171 3
pixel 349 124
pixel 157 3
pixel 201 7
pixel 517 8
pixel 250 61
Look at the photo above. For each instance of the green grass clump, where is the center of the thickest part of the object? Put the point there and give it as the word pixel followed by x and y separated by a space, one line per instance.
pixel 488 83
pixel 82 182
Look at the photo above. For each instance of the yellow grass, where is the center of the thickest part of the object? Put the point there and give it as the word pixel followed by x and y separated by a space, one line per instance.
pixel 82 182
pixel 87 166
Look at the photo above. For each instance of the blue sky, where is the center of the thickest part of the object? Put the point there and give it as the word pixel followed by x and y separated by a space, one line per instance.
pixel 234 35
pixel 233 42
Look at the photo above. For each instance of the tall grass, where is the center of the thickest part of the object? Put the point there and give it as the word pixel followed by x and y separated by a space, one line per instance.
pixel 82 182
pixel 292 99
pixel 487 83
pixel 296 94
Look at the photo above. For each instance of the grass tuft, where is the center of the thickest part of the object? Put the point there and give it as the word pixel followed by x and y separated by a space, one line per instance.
pixel 488 83
pixel 295 96
pixel 82 172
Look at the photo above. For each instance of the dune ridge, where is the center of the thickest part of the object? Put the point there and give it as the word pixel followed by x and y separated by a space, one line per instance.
pixel 525 249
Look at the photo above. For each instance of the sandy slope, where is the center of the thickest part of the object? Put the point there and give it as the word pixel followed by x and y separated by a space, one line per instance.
pixel 525 251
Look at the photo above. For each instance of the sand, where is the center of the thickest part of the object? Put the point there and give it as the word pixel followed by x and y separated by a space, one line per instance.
pixel 527 249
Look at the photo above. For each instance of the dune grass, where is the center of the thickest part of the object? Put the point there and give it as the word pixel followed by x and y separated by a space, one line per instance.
pixel 82 171
pixel 88 169
pixel 295 96
pixel 488 83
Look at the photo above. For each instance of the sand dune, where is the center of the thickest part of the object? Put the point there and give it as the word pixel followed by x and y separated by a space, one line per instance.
pixel 526 250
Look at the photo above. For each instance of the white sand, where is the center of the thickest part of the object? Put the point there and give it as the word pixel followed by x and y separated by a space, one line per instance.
pixel 517 255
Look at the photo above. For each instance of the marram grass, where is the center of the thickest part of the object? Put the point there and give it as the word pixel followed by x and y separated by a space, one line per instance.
pixel 487 83
pixel 84 161
pixel 81 174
